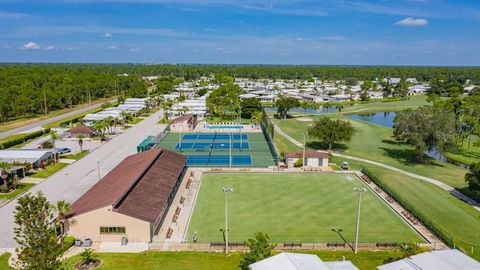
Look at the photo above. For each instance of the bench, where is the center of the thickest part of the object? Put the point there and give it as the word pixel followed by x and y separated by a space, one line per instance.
pixel 335 244
pixel 177 211
pixel 182 200
pixel 174 218
pixel 292 245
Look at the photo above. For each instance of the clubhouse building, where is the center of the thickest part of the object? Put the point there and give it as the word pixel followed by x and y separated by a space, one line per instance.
pixel 129 204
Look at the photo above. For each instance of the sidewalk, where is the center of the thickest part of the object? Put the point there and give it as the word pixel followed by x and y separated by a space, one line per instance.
pixel 436 182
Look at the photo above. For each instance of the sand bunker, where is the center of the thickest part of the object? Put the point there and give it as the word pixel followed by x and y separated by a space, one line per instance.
pixel 304 119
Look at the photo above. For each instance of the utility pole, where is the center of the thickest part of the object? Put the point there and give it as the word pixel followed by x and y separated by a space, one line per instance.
pixel 360 191
pixel 45 101
pixel 98 170
pixel 226 190
pixel 304 149
pixel 230 151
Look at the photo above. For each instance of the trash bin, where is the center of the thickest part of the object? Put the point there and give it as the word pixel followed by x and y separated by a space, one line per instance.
pixel 124 241
pixel 78 243
pixel 88 242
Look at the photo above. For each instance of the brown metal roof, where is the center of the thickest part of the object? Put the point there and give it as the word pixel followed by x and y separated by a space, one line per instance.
pixel 139 186
pixel 81 129
pixel 308 154
pixel 185 117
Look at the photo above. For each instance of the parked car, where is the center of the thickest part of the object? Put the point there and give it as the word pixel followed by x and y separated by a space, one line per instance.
pixel 63 150
pixel 345 165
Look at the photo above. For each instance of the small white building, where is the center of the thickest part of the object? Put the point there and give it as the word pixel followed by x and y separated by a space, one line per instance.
pixel 312 159
pixel 449 259
pixel 298 261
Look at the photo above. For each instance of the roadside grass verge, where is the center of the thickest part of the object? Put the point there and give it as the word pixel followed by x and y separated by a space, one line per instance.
pixel 21 188
pixel 76 156
pixel 49 170
pixel 23 121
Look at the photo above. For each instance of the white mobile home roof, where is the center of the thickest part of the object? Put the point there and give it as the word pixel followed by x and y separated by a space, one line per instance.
pixel 290 261
pixel 450 259
pixel 23 155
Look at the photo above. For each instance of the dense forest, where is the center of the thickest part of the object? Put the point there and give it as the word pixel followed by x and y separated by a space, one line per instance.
pixel 26 89
pixel 189 72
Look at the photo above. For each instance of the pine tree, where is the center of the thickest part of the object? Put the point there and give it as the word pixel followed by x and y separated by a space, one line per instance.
pixel 36 234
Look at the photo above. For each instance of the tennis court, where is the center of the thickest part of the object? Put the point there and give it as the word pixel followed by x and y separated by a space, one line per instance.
pixel 219 160
pixel 214 149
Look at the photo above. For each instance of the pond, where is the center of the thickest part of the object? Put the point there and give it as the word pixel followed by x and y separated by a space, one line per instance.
pixel 386 119
pixel 380 118
pixel 306 111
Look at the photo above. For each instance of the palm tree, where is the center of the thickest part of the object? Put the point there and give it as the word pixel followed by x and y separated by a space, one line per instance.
pixel 100 126
pixel 80 138
pixel 4 172
pixel 63 209
pixel 125 116
pixel 54 137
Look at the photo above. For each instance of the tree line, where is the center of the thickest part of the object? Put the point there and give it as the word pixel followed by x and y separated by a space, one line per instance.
pixel 27 90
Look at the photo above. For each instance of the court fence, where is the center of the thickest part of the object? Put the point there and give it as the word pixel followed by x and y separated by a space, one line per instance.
pixel 239 246
pixel 268 130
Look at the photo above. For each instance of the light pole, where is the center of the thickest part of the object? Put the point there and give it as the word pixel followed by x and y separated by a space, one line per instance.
pixel 226 190
pixel 360 191
pixel 98 170
pixel 304 148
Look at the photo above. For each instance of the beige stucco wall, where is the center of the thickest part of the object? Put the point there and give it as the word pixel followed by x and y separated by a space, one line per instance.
pixel 88 225
pixel 180 126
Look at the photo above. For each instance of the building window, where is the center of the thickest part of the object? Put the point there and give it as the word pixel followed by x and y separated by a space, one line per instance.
pixel 112 230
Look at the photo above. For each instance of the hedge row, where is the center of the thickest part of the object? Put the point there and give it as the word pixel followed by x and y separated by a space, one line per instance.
pixel 410 208
pixel 23 138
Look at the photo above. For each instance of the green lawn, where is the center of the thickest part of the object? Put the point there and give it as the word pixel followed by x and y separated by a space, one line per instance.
pixel 412 102
pixel 364 260
pixel 76 156
pixel 453 216
pixel 466 155
pixel 259 150
pixel 4 261
pixel 293 207
pixel 375 142
pixel 22 187
pixel 49 170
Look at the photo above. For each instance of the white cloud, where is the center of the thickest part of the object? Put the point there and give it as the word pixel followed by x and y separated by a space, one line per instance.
pixel 29 46
pixel 49 48
pixel 113 47
pixel 410 21
pixel 107 35
pixel 12 15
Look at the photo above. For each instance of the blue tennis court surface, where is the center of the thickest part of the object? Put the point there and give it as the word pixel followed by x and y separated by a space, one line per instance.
pixel 218 160
pixel 207 146
pixel 212 137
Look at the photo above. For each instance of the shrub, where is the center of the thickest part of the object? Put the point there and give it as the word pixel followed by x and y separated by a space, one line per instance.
pixel 23 138
pixel 68 242
pixel 87 256
pixel 47 144
pixel 298 163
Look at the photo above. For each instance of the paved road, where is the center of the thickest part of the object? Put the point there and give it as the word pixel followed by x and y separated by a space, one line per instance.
pixel 436 182
pixel 74 180
pixel 39 124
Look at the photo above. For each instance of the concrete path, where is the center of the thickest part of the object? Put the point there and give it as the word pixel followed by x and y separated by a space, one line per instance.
pixel 39 124
pixel 74 180
pixel 436 182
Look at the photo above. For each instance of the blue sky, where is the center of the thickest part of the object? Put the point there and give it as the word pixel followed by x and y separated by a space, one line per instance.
pixel 350 32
